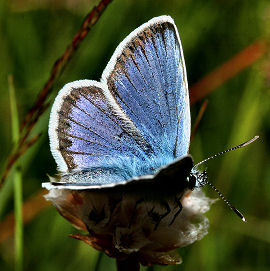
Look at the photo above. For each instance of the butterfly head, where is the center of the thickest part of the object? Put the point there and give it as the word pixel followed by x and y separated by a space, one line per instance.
pixel 197 179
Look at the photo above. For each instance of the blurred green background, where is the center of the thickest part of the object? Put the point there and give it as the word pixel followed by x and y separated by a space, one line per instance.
pixel 33 34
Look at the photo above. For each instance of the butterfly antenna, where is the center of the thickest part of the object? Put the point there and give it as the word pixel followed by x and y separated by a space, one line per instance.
pixel 226 201
pixel 214 188
pixel 231 149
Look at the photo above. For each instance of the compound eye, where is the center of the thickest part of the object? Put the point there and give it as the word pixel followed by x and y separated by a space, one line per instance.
pixel 192 182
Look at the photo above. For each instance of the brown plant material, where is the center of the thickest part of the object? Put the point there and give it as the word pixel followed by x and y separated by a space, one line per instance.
pixel 31 208
pixel 41 104
pixel 14 156
pixel 198 119
pixel 226 71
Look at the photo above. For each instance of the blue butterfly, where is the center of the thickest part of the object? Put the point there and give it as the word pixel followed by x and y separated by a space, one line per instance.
pixel 131 130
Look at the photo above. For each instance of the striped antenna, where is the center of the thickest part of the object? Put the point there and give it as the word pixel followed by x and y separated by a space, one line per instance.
pixel 214 188
pixel 226 201
pixel 231 149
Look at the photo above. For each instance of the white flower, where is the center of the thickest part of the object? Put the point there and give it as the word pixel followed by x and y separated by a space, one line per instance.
pixel 123 224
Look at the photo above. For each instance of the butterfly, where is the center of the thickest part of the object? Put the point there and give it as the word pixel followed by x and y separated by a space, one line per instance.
pixel 130 131
pixel 121 146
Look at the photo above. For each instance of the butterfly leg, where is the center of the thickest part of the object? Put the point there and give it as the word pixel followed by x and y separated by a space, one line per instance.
pixel 157 217
pixel 178 202
pixel 134 212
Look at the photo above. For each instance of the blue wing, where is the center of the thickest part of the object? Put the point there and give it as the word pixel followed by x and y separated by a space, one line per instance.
pixel 147 77
pixel 85 132
pixel 135 120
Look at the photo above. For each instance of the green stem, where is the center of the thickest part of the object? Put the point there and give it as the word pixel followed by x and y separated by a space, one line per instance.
pixel 130 264
pixel 100 254
pixel 17 182
pixel 18 221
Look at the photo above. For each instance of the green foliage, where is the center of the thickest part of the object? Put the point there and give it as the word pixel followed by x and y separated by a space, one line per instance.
pixel 33 37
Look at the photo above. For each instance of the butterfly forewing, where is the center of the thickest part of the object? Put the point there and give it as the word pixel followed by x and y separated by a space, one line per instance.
pixel 148 80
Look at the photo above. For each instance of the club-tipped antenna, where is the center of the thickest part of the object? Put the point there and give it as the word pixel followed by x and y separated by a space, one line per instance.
pixel 231 149
pixel 226 201
pixel 214 188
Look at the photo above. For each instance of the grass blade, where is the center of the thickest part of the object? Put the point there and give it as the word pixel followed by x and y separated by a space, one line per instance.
pixel 17 182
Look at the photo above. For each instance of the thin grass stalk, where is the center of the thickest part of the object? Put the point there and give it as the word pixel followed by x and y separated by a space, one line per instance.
pixel 17 181
pixel 41 103
pixel 31 208
pixel 18 220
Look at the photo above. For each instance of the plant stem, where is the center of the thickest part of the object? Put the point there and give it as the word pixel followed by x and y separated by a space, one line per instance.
pixel 100 254
pixel 130 264
pixel 17 182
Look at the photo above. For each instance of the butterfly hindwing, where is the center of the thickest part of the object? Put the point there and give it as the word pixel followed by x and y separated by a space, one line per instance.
pixel 84 131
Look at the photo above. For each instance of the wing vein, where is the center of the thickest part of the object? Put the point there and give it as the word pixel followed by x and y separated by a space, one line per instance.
pixel 71 119
pixel 86 140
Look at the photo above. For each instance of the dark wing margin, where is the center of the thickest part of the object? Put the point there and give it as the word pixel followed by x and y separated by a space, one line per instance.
pixel 84 131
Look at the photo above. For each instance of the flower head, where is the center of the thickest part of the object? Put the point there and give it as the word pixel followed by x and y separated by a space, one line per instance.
pixel 123 224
